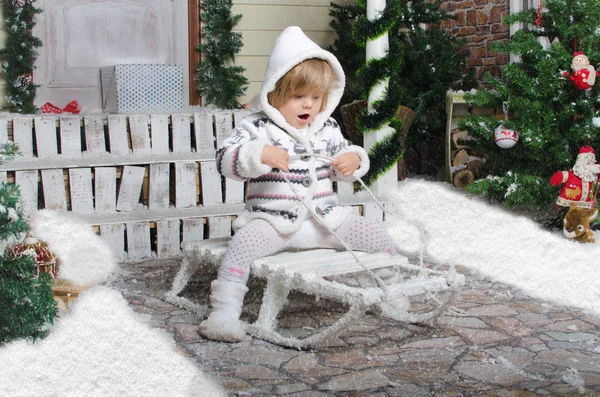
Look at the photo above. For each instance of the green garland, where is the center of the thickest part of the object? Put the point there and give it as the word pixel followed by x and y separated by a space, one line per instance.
pixel 18 55
pixel 220 84
pixel 385 153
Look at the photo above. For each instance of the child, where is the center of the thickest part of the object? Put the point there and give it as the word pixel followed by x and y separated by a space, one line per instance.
pixel 303 85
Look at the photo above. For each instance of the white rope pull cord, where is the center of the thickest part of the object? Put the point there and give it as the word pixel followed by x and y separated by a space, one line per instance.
pixel 377 279
pixel 422 232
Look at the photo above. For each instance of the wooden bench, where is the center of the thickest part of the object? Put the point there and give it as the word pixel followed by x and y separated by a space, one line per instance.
pixel 146 183
pixel 310 272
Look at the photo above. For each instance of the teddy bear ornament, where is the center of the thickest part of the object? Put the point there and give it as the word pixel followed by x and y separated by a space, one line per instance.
pixel 577 224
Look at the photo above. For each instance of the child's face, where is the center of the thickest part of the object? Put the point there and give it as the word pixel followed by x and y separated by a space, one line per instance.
pixel 301 109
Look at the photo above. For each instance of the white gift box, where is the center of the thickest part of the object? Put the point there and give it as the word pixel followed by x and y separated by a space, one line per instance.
pixel 142 88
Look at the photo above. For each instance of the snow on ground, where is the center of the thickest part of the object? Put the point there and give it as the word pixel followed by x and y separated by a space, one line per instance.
pixel 85 258
pixel 512 249
pixel 103 348
pixel 100 347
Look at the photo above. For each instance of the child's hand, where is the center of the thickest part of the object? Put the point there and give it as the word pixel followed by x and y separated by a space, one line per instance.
pixel 276 157
pixel 347 163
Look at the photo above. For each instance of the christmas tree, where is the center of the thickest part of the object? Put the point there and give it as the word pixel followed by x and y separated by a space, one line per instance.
pixel 27 307
pixel 553 117
pixel 19 55
pixel 423 63
pixel 220 84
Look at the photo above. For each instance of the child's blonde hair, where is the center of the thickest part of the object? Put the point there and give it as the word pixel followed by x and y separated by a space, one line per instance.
pixel 311 74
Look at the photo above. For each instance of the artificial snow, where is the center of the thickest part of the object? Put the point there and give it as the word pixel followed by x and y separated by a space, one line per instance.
pixel 101 348
pixel 467 231
pixel 85 258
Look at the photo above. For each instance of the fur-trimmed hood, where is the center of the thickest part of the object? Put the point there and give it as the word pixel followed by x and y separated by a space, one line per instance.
pixel 291 48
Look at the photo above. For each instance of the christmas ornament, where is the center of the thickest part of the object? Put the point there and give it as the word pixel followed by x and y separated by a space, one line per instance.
pixel 22 82
pixel 578 182
pixel 46 261
pixel 584 74
pixel 576 224
pixel 505 137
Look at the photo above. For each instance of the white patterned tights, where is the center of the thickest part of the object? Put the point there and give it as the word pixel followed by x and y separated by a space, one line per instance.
pixel 259 239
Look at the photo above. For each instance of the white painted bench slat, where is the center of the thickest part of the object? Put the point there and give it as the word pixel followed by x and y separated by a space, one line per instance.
pixel 114 235
pixel 219 226
pixel 138 240
pixel 95 141
pixel 185 185
pixel 158 193
pixel 223 123
pixel 22 135
pixel 159 127
pixel 167 238
pixel 45 136
pixel 131 188
pixel 105 184
pixel 117 129
pixel 140 134
pixel 328 263
pixel 53 185
pixel 80 183
pixel 192 230
pixel 28 187
pixel 203 131
pixel 70 136
pixel 211 184
pixel 181 133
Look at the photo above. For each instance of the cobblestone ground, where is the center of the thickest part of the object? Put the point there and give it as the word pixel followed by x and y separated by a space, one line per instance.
pixel 496 341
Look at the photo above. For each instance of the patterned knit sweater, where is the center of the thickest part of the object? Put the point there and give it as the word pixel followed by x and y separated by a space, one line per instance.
pixel 269 196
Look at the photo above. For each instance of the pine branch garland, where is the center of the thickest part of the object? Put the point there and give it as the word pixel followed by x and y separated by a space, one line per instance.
pixel 386 152
pixel 18 55
pixel 219 83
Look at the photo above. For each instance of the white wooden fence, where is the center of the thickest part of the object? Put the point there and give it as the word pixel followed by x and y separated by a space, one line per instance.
pixel 146 183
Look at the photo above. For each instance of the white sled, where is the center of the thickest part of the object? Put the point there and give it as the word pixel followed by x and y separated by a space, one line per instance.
pixel 306 271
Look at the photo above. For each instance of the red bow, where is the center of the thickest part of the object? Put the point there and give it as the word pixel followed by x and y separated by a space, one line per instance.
pixel 72 107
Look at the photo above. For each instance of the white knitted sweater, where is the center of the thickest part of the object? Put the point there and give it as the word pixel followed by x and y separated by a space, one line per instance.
pixel 269 196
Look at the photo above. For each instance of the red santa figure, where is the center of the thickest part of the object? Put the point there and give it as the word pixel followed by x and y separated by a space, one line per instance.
pixel 584 74
pixel 578 182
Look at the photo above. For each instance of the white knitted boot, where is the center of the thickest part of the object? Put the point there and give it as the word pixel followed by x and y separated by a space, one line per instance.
pixel 223 322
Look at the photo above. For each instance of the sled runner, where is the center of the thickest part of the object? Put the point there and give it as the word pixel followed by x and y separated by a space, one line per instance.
pixel 308 272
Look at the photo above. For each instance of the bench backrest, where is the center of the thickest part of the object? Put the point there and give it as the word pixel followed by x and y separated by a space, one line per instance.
pixel 146 183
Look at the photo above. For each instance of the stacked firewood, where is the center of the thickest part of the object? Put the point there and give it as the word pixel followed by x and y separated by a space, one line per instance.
pixel 465 162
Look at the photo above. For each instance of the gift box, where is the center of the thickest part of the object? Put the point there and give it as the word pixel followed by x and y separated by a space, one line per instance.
pixel 147 88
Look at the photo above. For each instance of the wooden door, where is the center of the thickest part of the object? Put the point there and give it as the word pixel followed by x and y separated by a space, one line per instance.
pixel 81 36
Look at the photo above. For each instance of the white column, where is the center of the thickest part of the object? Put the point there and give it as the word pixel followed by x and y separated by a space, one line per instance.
pixel 377 49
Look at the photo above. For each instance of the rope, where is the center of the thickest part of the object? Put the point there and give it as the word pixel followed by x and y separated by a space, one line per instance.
pixel 377 279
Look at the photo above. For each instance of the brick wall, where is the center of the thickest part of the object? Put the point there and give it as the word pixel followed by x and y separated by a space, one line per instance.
pixel 480 23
